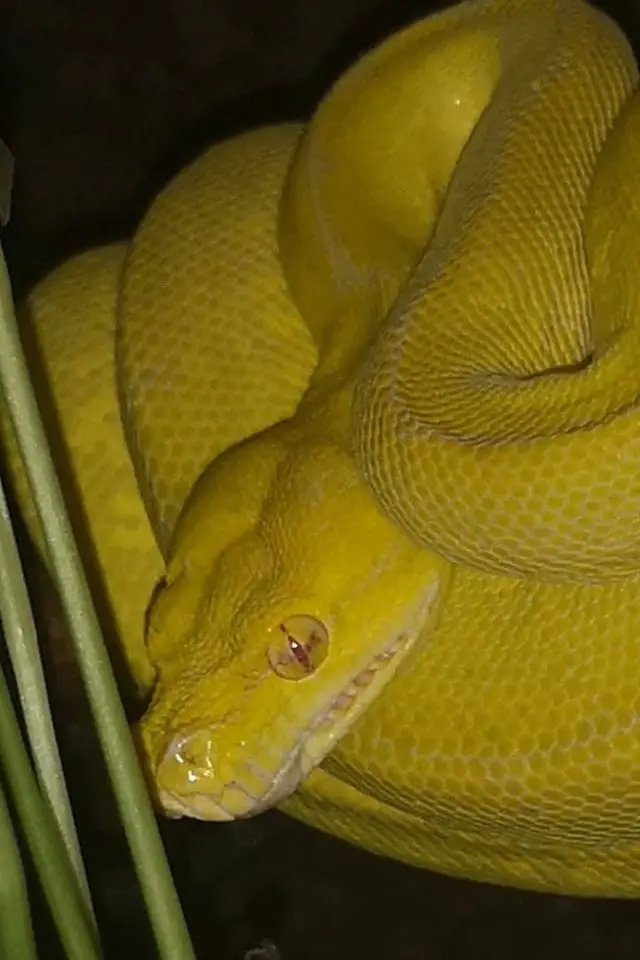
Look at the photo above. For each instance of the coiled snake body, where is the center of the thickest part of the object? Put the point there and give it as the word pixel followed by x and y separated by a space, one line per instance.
pixel 362 398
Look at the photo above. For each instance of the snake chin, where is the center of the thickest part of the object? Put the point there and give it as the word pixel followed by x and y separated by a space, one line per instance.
pixel 200 807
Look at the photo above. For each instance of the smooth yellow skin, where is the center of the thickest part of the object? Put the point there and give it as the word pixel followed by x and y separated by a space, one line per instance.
pixel 380 374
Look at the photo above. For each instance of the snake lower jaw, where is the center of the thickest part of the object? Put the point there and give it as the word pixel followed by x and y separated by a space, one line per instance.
pixel 198 807
pixel 231 802
pixel 234 804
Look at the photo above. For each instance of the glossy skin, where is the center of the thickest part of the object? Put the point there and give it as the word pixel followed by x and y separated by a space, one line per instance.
pixel 376 384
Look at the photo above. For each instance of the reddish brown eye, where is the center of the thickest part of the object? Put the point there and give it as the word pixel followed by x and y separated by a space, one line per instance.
pixel 298 646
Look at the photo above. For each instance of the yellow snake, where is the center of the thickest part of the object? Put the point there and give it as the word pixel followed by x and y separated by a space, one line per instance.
pixel 361 399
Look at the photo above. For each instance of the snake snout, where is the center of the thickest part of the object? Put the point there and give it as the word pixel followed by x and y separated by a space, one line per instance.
pixel 194 779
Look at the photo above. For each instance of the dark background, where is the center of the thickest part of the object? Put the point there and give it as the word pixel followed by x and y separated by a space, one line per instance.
pixel 102 102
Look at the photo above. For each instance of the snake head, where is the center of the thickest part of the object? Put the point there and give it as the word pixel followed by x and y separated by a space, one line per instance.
pixel 290 603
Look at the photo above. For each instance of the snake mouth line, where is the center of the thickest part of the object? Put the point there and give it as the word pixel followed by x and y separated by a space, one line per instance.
pixel 204 806
pixel 342 704
pixel 330 725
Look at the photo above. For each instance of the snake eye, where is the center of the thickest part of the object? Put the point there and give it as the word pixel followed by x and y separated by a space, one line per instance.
pixel 298 647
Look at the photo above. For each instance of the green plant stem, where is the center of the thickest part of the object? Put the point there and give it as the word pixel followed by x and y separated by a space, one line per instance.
pixel 68 908
pixel 128 783
pixel 22 643
pixel 16 933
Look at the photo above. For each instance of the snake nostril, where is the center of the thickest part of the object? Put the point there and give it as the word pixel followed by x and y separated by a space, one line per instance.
pixel 187 761
pixel 190 781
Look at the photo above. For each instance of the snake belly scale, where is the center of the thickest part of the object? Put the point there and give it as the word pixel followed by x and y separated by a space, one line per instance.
pixel 350 430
